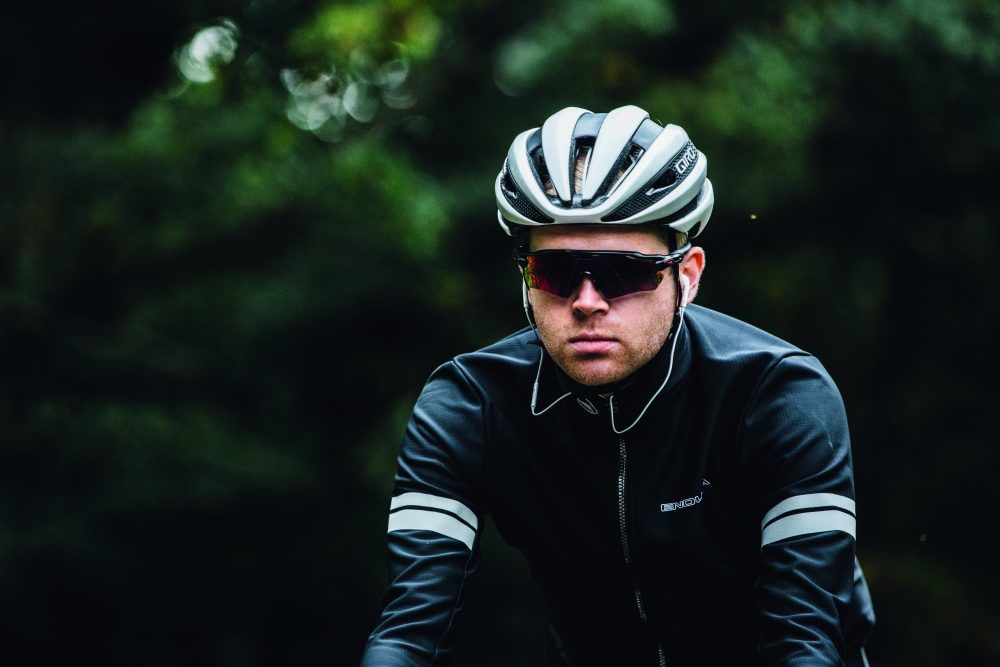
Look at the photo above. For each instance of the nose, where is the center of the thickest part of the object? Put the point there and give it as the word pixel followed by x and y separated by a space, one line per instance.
pixel 588 300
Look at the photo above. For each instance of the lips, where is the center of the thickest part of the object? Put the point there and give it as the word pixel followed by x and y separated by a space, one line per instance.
pixel 592 343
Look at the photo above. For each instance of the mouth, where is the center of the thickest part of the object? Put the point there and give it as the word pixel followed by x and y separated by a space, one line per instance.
pixel 592 343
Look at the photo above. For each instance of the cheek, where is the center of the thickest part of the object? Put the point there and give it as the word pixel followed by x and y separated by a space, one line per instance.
pixel 546 315
pixel 648 320
pixel 546 305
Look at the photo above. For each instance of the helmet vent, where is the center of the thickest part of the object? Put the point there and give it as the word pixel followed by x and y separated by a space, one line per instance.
pixel 665 180
pixel 544 178
pixel 517 199
pixel 675 172
pixel 547 185
pixel 624 166
pixel 669 179
pixel 580 164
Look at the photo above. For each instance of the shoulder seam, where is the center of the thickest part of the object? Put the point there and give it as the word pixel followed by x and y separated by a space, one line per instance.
pixel 755 393
pixel 484 432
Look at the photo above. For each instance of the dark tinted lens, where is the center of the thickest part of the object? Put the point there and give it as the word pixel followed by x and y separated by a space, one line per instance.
pixel 559 272
pixel 620 275
pixel 552 273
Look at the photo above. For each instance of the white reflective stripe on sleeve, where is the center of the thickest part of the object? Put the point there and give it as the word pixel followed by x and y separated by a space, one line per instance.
pixel 426 500
pixel 436 522
pixel 807 523
pixel 809 501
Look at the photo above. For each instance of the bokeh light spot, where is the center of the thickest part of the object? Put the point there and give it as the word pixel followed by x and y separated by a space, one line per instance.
pixel 211 47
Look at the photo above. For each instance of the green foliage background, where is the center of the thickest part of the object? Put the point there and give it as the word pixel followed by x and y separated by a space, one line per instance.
pixel 236 237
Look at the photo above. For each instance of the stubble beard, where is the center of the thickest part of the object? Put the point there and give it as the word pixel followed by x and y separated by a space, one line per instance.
pixel 595 370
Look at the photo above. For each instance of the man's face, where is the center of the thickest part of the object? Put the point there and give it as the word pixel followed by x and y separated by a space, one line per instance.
pixel 595 340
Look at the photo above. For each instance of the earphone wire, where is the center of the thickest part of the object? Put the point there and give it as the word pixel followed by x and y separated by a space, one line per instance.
pixel 670 370
pixel 541 358
pixel 534 391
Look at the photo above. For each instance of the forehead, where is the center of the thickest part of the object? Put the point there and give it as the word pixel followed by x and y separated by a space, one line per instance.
pixel 598 237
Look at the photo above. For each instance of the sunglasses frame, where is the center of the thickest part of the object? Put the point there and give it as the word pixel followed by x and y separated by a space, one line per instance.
pixel 659 262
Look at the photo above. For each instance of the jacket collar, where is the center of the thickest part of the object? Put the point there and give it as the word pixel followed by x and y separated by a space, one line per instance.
pixel 630 397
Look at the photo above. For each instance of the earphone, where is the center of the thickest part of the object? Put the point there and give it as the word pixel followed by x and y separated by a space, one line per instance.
pixel 527 306
pixel 685 288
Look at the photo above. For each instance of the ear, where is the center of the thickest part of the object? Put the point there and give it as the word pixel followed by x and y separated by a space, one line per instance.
pixel 690 271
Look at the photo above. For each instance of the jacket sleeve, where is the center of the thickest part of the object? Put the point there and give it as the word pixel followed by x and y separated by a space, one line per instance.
pixel 434 521
pixel 813 605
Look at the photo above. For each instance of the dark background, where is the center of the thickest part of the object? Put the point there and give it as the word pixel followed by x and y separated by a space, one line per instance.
pixel 236 237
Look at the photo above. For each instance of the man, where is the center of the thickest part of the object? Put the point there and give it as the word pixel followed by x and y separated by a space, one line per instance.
pixel 679 482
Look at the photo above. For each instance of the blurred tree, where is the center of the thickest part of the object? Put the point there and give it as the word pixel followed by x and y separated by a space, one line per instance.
pixel 235 239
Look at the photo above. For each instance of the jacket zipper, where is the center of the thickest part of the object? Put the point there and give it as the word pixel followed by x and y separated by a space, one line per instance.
pixel 626 547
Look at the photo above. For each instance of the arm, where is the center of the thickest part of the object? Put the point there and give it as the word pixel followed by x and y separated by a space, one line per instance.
pixel 434 521
pixel 799 453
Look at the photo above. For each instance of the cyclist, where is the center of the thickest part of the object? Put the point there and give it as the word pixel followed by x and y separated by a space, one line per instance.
pixel 679 482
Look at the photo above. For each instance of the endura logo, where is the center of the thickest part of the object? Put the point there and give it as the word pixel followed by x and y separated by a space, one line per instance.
pixel 681 504
pixel 687 502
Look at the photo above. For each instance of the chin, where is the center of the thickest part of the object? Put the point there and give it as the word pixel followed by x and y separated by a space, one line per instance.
pixel 595 373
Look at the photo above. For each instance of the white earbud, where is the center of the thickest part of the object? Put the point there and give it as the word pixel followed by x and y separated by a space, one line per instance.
pixel 527 305
pixel 685 288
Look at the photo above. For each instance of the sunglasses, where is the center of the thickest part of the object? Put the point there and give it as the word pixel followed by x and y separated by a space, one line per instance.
pixel 615 273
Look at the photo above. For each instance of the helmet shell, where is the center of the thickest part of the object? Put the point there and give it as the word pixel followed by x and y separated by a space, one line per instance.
pixel 616 168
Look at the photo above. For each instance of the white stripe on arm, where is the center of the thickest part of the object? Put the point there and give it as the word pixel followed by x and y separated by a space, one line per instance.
pixel 436 522
pixel 808 501
pixel 806 523
pixel 426 500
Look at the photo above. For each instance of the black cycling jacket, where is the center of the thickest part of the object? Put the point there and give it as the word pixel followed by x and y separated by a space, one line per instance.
pixel 719 530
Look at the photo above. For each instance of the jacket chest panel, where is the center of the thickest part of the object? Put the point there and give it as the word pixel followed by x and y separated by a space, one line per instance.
pixel 552 497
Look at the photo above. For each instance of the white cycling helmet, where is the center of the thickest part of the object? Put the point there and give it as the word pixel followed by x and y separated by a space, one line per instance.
pixel 617 168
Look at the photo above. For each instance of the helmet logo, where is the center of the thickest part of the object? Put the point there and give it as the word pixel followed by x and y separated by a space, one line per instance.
pixel 686 160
